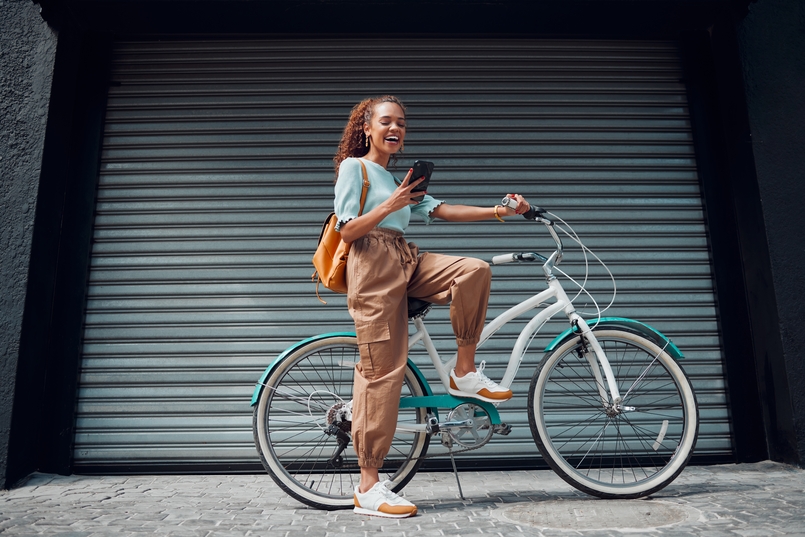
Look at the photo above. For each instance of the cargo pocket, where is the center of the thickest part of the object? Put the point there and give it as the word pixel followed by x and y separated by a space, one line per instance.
pixel 375 347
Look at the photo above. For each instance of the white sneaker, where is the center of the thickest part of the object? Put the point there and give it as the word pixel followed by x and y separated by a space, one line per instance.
pixel 478 386
pixel 381 501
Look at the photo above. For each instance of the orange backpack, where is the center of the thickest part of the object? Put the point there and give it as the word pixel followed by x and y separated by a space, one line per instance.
pixel 330 259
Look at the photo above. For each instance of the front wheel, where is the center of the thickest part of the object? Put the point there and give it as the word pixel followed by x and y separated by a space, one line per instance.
pixel 302 430
pixel 626 450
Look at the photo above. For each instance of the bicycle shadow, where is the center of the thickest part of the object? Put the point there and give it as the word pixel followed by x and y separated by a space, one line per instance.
pixel 498 499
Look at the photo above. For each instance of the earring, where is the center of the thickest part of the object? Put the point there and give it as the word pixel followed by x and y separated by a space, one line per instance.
pixel 367 140
pixel 402 147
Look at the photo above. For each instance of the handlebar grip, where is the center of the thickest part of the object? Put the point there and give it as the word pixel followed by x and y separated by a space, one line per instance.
pixel 531 214
pixel 501 259
pixel 511 203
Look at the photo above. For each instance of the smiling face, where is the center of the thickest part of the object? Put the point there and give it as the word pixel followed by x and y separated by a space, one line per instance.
pixel 385 130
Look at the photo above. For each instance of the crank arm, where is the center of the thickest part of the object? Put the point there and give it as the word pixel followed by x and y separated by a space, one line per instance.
pixel 462 423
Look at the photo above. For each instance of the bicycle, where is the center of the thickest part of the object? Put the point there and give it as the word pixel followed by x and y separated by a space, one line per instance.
pixel 611 411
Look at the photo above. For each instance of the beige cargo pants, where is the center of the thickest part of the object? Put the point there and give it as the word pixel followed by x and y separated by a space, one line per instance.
pixel 382 271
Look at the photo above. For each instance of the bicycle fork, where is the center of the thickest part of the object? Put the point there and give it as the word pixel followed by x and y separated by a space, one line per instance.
pixel 598 361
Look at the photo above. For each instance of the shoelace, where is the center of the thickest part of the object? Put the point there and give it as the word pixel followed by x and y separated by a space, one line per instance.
pixel 387 492
pixel 486 380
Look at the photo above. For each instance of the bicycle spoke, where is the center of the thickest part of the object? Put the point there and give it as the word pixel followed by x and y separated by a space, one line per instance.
pixel 303 402
pixel 601 448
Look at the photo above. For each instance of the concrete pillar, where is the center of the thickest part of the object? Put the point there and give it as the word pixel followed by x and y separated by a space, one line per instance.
pixel 771 42
pixel 27 58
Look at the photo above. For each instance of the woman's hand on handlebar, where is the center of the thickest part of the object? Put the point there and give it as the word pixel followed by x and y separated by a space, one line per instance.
pixel 522 204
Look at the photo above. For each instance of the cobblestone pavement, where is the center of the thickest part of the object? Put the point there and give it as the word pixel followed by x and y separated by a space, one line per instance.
pixel 727 500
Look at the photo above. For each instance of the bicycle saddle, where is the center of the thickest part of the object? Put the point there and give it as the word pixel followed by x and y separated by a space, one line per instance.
pixel 417 308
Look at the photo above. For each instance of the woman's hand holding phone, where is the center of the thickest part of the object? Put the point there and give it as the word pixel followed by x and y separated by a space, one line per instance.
pixel 403 194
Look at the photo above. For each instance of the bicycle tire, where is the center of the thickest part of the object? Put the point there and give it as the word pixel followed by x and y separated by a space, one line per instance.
pixel 630 454
pixel 289 423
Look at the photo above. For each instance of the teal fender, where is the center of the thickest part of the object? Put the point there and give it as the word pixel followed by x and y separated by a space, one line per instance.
pixel 258 389
pixel 432 402
pixel 629 325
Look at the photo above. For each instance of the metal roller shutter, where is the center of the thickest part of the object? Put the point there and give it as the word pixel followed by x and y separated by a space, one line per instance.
pixel 217 173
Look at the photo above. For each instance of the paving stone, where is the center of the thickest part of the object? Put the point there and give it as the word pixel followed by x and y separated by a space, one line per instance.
pixel 731 500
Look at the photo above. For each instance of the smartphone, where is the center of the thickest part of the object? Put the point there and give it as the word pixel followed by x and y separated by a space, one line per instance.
pixel 422 168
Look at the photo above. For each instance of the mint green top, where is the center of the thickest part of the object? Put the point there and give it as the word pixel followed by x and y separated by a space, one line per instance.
pixel 381 185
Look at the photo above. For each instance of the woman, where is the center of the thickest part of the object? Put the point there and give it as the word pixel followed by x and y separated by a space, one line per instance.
pixel 382 271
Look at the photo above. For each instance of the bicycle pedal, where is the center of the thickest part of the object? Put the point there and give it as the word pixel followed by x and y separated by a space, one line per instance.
pixel 502 429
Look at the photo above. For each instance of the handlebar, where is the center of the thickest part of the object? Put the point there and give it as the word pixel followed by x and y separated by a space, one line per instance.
pixel 522 256
pixel 538 215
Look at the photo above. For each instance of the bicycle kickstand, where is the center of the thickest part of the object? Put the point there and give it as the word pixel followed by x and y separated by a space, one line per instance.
pixel 448 443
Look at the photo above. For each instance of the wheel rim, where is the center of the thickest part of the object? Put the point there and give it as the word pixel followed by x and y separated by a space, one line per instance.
pixel 616 451
pixel 292 426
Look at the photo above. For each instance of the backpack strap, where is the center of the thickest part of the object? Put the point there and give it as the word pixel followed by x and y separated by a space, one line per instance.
pixel 365 188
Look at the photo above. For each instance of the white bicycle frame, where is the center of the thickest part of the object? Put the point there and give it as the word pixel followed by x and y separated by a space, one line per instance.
pixel 562 303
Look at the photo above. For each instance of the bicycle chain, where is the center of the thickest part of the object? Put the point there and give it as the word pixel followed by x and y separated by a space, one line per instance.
pixel 346 426
pixel 425 457
pixel 455 452
pixel 465 449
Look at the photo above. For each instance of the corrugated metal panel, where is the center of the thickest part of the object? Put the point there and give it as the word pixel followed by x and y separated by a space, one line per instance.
pixel 217 173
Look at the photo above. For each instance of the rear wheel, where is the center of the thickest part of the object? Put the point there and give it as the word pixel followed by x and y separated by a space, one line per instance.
pixel 628 450
pixel 302 431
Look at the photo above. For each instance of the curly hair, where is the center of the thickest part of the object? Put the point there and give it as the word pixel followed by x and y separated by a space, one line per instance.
pixel 353 140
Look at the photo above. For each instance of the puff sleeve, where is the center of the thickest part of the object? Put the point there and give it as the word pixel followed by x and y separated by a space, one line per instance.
pixel 425 207
pixel 348 188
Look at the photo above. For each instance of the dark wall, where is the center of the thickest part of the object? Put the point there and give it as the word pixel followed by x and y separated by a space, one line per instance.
pixel 648 18
pixel 55 105
pixel 771 40
pixel 28 48
pixel 749 77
